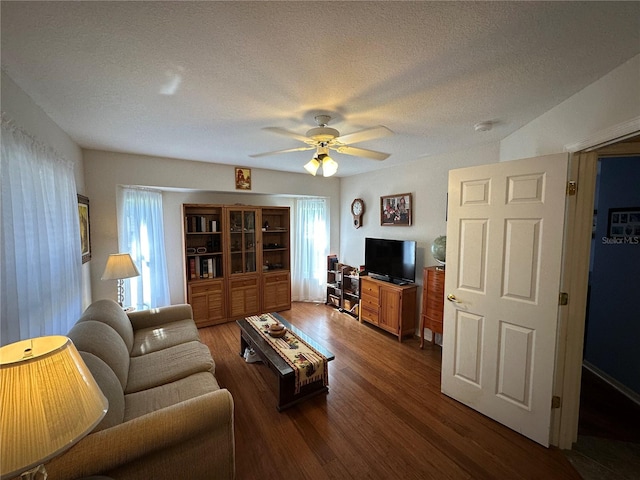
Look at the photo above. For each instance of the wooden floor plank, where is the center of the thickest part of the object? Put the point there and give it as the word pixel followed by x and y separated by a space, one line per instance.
pixel 384 416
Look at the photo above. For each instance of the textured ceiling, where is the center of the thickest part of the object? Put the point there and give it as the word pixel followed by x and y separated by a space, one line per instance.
pixel 200 80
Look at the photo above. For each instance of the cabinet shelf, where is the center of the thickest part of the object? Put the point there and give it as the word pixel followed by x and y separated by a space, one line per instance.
pixel 342 288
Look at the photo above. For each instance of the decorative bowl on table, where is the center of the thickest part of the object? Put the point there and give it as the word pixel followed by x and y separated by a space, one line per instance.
pixel 277 330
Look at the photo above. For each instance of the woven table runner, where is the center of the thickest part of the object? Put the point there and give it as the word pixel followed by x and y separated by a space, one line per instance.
pixel 308 364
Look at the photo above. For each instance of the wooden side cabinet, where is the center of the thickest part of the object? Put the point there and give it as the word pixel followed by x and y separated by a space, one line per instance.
pixel 276 291
pixel 207 298
pixel 388 306
pixel 244 296
pixel 432 302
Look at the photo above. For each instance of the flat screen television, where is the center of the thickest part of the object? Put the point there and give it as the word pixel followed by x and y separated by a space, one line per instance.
pixel 390 260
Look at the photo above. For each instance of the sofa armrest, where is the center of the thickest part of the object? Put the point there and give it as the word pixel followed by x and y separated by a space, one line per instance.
pixel 158 316
pixel 162 444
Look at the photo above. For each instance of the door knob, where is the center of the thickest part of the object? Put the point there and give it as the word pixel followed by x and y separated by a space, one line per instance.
pixel 452 298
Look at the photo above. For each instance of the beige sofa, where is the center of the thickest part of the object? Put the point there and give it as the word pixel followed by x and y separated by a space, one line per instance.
pixel 168 418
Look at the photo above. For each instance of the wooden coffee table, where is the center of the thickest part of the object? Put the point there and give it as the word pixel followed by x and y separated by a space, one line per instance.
pixel 287 397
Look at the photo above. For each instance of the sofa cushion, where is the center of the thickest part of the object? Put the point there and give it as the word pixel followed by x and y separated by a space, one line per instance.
pixel 152 339
pixel 168 365
pixel 104 342
pixel 147 401
pixel 111 388
pixel 109 312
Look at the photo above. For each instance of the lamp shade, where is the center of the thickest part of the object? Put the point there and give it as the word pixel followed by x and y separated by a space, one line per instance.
pixel 48 401
pixel 312 166
pixel 119 266
pixel 329 166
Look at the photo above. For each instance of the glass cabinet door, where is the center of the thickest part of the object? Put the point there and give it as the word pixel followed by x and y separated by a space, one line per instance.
pixel 242 224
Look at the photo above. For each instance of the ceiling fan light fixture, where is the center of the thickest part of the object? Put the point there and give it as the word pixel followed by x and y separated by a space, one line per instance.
pixel 329 165
pixel 312 166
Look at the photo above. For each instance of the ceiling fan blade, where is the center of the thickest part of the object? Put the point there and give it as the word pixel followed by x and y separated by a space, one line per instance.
pixel 288 150
pixel 288 133
pixel 364 135
pixel 361 152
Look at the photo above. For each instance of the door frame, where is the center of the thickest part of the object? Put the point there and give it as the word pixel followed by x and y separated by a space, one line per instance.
pixel 571 321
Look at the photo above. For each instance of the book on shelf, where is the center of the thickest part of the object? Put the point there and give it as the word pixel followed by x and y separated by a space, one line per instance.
pixel 200 267
pixel 332 262
pixel 192 268
pixel 200 224
pixel 204 269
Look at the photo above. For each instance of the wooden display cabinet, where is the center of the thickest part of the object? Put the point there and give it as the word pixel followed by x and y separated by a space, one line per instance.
pixel 236 265
pixel 276 258
pixel 432 302
pixel 388 306
pixel 242 257
pixel 203 246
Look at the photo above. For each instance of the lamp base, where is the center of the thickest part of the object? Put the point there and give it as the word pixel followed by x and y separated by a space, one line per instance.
pixel 120 292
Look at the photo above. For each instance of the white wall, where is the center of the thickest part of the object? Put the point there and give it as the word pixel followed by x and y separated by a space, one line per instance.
pixel 207 182
pixel 612 100
pixel 31 118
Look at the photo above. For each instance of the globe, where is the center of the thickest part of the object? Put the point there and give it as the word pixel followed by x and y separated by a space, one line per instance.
pixel 439 249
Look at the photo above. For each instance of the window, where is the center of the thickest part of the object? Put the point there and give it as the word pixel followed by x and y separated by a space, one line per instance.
pixel 141 234
pixel 310 249
pixel 41 258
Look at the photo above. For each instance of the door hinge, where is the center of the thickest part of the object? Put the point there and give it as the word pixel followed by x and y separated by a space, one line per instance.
pixel 564 298
pixel 556 402
pixel 572 187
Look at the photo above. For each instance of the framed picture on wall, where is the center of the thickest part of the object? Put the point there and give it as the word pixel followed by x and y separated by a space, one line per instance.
pixel 396 209
pixel 85 228
pixel 624 222
pixel 243 178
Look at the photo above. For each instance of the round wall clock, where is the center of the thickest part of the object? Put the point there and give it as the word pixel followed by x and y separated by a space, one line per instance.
pixel 357 209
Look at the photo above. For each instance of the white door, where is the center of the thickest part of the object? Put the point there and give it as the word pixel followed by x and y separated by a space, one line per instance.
pixel 504 252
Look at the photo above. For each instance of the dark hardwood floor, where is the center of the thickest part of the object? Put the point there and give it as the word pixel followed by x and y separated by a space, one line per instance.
pixel 384 416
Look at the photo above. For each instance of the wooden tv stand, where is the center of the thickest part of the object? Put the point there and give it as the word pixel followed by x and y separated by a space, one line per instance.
pixel 388 306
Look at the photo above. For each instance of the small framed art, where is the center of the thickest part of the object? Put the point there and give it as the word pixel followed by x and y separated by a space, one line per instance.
pixel 624 222
pixel 85 228
pixel 243 178
pixel 396 209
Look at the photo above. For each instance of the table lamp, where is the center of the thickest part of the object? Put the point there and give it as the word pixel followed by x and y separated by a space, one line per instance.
pixel 120 266
pixel 48 401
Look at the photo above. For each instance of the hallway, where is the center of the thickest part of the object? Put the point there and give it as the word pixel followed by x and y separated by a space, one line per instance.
pixel 608 444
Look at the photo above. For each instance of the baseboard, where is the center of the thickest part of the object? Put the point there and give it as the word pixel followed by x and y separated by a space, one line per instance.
pixel 623 389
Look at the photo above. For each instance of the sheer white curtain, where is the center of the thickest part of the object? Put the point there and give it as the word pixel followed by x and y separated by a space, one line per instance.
pixel 141 234
pixel 41 259
pixel 310 250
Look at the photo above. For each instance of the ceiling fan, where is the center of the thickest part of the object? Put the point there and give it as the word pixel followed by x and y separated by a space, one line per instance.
pixel 324 138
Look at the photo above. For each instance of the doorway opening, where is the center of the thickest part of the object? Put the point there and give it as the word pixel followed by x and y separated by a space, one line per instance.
pixel 608 440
